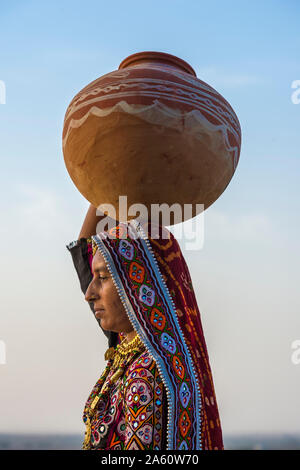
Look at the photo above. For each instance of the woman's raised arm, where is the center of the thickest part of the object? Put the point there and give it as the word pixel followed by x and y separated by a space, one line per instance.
pixel 90 223
pixel 80 250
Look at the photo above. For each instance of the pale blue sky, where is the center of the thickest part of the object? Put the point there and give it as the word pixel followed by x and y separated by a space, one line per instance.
pixel 247 274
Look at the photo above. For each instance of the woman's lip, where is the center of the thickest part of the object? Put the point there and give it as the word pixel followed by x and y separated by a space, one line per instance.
pixel 98 312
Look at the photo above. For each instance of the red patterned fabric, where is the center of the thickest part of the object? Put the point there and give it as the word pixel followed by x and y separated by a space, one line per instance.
pixel 178 280
pixel 173 374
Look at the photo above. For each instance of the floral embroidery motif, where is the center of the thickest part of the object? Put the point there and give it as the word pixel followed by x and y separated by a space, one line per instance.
pixel 157 319
pixel 168 343
pixel 178 367
pixel 147 295
pixel 184 423
pixel 136 272
pixel 184 394
pixel 126 249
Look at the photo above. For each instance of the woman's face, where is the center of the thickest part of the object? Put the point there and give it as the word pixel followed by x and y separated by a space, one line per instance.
pixel 107 304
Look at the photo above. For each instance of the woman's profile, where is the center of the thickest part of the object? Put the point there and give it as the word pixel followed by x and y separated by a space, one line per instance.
pixel 156 392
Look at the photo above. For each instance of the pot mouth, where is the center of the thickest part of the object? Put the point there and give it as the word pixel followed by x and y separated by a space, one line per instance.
pixel 159 57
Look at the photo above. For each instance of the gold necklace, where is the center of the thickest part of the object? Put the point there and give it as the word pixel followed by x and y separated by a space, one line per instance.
pixel 121 352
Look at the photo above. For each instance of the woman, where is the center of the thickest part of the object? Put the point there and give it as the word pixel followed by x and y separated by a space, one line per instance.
pixel 157 389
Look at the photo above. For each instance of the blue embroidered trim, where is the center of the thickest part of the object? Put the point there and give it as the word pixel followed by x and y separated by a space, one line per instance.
pixel 167 297
pixel 142 334
pixel 143 245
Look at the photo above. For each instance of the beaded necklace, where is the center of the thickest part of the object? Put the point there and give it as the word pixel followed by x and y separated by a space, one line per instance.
pixel 118 359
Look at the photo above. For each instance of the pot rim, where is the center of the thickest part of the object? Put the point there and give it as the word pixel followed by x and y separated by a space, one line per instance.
pixel 159 57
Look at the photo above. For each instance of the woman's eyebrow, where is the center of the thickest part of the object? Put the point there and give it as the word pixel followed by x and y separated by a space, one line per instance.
pixel 100 268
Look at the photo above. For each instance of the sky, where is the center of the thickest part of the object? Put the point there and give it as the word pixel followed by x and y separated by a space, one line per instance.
pixel 246 275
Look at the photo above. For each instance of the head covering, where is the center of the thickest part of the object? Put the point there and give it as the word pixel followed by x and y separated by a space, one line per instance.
pixel 155 287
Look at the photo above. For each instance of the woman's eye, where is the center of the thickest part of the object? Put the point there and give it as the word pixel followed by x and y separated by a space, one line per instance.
pixel 103 277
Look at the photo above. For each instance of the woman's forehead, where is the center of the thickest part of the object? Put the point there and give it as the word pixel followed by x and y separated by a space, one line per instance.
pixel 98 262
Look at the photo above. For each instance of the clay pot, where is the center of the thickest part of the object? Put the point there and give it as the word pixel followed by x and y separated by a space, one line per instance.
pixel 152 131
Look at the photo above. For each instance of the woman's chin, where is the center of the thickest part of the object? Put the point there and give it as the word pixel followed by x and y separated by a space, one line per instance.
pixel 107 326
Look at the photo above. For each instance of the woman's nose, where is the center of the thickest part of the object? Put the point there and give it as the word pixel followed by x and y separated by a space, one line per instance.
pixel 91 294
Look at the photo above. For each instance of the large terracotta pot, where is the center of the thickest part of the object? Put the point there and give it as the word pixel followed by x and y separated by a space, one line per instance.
pixel 152 131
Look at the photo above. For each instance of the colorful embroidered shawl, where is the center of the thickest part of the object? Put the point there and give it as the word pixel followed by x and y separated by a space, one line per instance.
pixel 155 287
